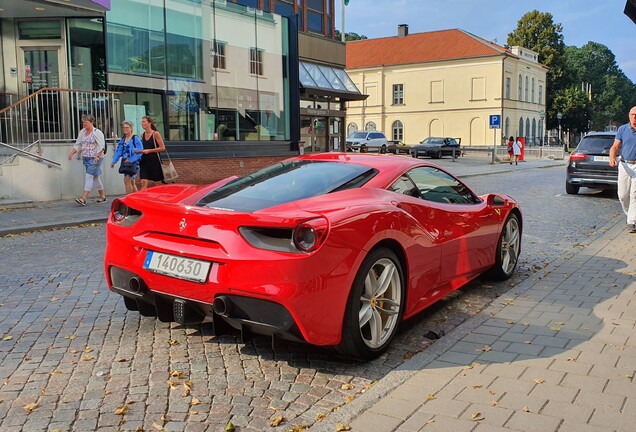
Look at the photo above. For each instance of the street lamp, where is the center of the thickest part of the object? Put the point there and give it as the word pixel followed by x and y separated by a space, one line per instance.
pixel 559 117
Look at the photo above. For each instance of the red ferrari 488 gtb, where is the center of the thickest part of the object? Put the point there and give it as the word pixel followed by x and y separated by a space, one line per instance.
pixel 330 249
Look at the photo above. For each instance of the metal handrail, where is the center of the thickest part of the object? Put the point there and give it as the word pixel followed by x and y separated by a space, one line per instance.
pixel 37 157
pixel 51 114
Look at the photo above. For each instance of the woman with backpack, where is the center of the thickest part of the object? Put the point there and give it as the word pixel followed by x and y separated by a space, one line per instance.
pixel 127 149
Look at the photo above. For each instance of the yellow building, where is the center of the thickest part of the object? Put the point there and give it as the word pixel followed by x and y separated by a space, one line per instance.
pixel 446 83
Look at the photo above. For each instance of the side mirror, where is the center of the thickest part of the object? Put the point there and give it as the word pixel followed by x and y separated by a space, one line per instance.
pixel 494 200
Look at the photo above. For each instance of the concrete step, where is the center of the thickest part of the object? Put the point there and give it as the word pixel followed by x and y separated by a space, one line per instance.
pixel 15 203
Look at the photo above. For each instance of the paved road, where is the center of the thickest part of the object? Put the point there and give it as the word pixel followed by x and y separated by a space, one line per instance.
pixel 70 347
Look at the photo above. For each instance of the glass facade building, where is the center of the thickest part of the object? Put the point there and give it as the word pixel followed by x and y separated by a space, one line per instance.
pixel 212 71
pixel 207 71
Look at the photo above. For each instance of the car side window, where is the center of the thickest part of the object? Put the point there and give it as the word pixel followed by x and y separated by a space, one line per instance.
pixel 437 186
pixel 405 186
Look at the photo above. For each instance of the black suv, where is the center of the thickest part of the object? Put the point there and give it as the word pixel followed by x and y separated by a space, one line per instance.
pixel 589 164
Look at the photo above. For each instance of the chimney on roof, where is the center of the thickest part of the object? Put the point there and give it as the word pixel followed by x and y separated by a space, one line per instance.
pixel 403 30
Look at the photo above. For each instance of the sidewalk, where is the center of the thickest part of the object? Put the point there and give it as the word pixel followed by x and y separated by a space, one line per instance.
pixel 68 213
pixel 557 354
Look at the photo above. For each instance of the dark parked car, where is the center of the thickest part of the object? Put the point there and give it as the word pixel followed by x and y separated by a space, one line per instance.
pixel 437 147
pixel 589 164
pixel 398 147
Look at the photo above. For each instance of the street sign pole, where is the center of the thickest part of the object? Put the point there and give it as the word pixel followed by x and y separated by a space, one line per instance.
pixel 494 145
pixel 495 123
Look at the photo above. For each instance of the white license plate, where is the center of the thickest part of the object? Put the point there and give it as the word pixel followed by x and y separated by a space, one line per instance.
pixel 601 158
pixel 176 266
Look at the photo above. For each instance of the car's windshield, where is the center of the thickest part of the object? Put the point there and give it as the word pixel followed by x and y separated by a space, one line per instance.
pixel 285 182
pixel 358 135
pixel 597 144
pixel 433 141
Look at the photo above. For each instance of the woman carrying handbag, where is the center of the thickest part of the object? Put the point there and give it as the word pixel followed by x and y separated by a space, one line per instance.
pixel 150 164
pixel 128 150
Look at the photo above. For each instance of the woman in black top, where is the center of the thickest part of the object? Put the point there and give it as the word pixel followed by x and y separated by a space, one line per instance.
pixel 150 164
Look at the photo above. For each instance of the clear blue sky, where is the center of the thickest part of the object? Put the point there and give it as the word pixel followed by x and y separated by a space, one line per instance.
pixel 599 21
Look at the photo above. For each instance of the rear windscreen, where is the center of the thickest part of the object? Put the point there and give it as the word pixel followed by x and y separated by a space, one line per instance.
pixel 599 144
pixel 285 182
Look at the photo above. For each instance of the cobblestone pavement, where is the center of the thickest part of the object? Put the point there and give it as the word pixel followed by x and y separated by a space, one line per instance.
pixel 73 358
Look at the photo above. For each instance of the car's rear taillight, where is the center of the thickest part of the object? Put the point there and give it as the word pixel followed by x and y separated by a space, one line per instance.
pixel 123 214
pixel 310 235
pixel 577 157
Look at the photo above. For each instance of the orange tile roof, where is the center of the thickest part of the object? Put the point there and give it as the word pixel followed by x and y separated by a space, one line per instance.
pixel 420 48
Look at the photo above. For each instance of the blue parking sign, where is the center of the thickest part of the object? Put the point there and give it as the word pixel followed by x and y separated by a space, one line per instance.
pixel 495 121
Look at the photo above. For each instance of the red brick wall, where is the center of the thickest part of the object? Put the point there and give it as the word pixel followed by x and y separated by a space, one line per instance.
pixel 203 171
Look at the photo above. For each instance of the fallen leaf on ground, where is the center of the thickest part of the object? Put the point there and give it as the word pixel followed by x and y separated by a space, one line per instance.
pixel 526 409
pixel 320 417
pixel 172 342
pixel 88 349
pixel 229 427
pixel 159 427
pixel 176 374
pixel 276 421
pixel 30 407
pixel 7 338
pixel 122 410
pixel 346 386
pixel 186 389
pixel 195 401
pixel 87 358
pixel 430 397
pixel 341 428
pixel 476 416
pixel 539 380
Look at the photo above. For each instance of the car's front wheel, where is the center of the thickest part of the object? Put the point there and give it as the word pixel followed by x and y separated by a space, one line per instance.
pixel 508 249
pixel 375 306
pixel 415 154
pixel 571 189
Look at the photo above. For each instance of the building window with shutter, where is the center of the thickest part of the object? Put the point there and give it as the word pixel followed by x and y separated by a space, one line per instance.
pixel 256 61
pixel 398 94
pixel 218 55
pixel 397 133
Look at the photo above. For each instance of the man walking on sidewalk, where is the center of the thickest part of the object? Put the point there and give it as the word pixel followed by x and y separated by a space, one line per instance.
pixel 625 145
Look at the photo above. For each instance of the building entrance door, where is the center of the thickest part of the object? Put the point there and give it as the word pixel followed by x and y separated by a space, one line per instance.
pixel 40 69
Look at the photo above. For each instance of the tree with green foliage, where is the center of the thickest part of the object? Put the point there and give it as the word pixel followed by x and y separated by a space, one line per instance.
pixel 538 32
pixel 612 93
pixel 350 36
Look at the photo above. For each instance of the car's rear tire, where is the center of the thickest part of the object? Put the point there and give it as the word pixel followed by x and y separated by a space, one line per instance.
pixel 508 248
pixel 383 149
pixel 571 189
pixel 375 306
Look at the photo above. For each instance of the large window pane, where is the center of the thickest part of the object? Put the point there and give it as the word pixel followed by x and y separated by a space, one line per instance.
pixel 87 54
pixel 184 28
pixel 136 40
pixel 314 22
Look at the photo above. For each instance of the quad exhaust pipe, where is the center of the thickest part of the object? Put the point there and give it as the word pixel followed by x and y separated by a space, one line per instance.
pixel 135 285
pixel 222 305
